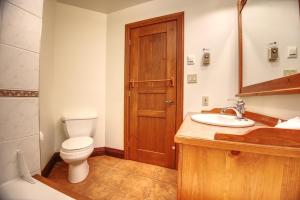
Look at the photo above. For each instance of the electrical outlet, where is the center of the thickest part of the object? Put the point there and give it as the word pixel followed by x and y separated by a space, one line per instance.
pixel 192 78
pixel 205 101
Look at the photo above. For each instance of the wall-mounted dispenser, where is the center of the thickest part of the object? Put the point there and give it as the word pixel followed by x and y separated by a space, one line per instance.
pixel 206 57
pixel 273 51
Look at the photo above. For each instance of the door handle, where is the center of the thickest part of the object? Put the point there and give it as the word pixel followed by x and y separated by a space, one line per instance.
pixel 168 101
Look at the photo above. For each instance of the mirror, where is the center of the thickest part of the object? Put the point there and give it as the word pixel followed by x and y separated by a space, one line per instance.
pixel 269 41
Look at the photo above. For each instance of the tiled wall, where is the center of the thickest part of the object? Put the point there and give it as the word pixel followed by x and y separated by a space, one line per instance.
pixel 20 33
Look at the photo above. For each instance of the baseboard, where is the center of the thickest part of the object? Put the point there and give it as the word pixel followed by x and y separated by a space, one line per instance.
pixel 114 152
pixel 48 168
pixel 99 151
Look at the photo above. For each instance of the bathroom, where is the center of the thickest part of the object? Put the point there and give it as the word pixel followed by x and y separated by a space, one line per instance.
pixel 65 61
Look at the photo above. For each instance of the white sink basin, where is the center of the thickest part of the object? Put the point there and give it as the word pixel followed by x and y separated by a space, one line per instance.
pixel 222 120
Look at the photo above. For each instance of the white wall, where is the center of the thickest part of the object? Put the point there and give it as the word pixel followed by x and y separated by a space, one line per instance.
pixel 208 24
pixel 46 83
pixel 282 106
pixel 20 31
pixel 279 22
pixel 79 67
pixel 88 63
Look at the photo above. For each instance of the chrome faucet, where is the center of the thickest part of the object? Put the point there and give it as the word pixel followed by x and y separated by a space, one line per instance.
pixel 238 108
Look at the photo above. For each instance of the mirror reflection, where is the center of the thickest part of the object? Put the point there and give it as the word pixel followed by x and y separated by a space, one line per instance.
pixel 271 40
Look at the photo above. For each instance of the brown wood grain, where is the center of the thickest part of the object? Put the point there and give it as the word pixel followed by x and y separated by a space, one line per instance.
pixel 271 92
pixel 51 163
pixel 212 173
pixel 198 134
pixel 153 52
pixel 60 188
pixel 117 153
pixel 98 151
pixel 259 162
pixel 150 124
pixel 266 136
pixel 280 86
pixel 277 85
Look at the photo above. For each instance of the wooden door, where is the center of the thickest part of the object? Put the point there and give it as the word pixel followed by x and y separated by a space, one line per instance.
pixel 152 93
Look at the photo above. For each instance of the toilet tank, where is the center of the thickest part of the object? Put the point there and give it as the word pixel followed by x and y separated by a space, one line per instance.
pixel 77 126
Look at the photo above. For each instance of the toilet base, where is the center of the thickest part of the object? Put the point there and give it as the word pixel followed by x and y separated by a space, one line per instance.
pixel 78 171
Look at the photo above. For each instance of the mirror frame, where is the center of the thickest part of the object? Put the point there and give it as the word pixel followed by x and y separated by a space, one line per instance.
pixel 280 86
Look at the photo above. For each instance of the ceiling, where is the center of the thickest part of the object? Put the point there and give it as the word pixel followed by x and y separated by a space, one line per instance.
pixel 104 6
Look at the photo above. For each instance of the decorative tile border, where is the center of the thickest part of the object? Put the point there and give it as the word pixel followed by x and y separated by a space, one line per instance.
pixel 18 93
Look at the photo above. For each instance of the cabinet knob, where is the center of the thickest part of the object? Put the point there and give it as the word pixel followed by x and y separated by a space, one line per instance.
pixel 234 153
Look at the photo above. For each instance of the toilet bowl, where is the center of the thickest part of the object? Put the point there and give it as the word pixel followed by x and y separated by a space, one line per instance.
pixel 80 145
pixel 75 152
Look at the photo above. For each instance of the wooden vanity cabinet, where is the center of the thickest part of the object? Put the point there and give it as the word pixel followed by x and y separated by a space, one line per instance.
pixel 254 163
pixel 213 173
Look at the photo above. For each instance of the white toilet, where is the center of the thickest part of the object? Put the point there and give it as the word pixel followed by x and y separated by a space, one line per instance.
pixel 79 146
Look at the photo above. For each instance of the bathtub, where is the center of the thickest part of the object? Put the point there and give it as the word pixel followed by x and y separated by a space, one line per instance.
pixel 18 189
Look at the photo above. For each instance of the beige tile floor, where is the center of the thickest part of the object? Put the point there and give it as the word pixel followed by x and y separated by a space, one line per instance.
pixel 117 179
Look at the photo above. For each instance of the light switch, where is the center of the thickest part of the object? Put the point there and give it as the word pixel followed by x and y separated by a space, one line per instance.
pixel 191 59
pixel 192 78
pixel 292 52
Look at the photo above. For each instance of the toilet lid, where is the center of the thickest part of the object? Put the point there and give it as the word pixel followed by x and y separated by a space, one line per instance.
pixel 77 143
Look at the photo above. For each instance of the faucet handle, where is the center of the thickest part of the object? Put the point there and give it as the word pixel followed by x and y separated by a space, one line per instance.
pixel 240 104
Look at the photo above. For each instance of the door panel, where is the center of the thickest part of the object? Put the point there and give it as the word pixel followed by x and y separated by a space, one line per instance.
pixel 152 103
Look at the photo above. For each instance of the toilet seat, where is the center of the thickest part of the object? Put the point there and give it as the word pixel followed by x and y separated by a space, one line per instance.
pixel 77 144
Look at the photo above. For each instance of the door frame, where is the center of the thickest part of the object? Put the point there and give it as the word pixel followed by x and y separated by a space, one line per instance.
pixel 179 18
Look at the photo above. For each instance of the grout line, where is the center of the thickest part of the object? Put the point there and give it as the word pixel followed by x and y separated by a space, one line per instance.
pixel 18 93
pixel 1 15
pixel 18 139
pixel 10 45
pixel 24 10
pixel 20 89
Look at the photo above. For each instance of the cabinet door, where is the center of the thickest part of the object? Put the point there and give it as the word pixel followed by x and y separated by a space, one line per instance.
pixel 212 174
